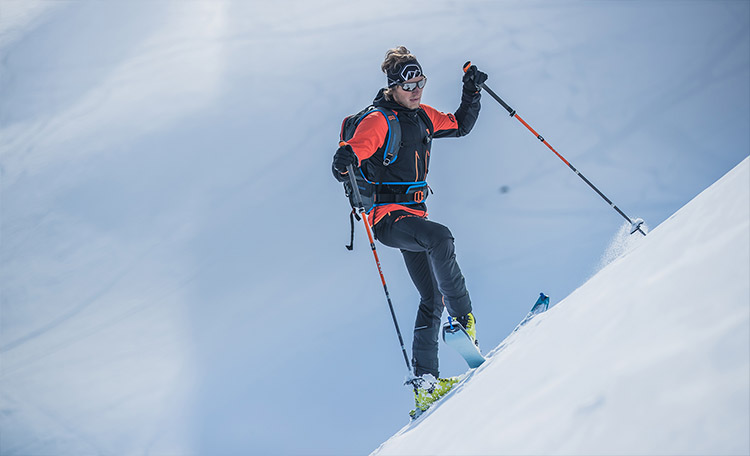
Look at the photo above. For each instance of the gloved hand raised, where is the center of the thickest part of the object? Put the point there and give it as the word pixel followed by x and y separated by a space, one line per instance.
pixel 473 78
pixel 344 157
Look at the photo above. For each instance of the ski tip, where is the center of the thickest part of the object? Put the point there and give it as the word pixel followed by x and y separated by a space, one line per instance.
pixel 543 300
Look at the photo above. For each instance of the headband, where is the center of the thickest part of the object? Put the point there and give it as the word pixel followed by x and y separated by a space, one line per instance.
pixel 403 71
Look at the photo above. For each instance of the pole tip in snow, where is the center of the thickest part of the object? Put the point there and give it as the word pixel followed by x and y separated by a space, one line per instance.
pixel 636 226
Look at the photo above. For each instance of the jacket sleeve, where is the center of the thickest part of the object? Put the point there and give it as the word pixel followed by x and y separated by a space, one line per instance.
pixel 369 136
pixel 460 123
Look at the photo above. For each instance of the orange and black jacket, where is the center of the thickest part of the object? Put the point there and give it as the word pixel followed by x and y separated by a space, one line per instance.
pixel 411 164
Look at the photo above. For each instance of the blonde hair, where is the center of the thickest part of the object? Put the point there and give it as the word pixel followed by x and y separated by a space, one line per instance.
pixel 393 58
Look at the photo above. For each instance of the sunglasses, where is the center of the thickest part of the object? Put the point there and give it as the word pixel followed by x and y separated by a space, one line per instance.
pixel 411 86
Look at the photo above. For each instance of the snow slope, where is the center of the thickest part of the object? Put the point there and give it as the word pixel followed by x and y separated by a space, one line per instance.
pixel 650 356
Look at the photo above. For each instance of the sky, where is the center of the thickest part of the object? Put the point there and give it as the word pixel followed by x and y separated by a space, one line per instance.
pixel 172 262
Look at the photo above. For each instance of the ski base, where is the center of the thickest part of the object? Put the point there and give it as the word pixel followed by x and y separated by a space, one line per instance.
pixel 456 337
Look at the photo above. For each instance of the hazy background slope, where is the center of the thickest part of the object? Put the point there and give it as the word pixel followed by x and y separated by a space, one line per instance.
pixel 171 259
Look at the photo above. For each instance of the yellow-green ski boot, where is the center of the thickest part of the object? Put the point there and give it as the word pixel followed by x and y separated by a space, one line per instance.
pixel 428 390
pixel 470 325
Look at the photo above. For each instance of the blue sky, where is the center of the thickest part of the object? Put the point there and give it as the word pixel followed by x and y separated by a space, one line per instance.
pixel 171 233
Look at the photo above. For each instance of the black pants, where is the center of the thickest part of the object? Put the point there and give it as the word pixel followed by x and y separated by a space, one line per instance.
pixel 429 254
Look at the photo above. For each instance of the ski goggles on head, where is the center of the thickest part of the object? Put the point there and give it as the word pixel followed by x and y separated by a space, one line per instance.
pixel 412 86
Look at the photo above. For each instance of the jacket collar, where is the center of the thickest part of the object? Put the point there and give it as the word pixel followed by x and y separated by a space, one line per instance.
pixel 381 102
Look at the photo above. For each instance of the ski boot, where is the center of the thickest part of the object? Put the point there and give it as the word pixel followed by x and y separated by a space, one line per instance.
pixel 427 390
pixel 469 323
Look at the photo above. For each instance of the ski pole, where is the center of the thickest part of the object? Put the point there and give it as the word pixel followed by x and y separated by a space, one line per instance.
pixel 361 208
pixel 635 225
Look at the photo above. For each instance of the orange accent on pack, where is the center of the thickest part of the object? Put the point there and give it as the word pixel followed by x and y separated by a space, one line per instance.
pixel 416 166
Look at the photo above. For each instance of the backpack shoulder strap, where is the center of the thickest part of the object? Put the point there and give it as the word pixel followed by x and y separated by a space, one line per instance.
pixel 393 140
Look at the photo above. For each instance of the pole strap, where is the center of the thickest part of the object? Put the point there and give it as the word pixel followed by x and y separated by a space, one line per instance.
pixel 352 215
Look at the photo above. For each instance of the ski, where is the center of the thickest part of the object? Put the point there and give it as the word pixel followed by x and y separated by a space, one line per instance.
pixel 456 336
pixel 541 305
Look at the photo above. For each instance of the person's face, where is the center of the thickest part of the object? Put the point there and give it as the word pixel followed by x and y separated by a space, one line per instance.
pixel 409 99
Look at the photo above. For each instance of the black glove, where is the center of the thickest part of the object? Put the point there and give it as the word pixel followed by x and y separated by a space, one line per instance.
pixel 344 157
pixel 473 78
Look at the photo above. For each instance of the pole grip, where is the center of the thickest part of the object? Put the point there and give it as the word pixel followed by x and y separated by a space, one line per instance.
pixel 497 98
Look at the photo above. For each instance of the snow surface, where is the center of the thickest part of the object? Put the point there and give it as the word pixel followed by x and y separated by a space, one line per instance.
pixel 173 278
pixel 650 356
